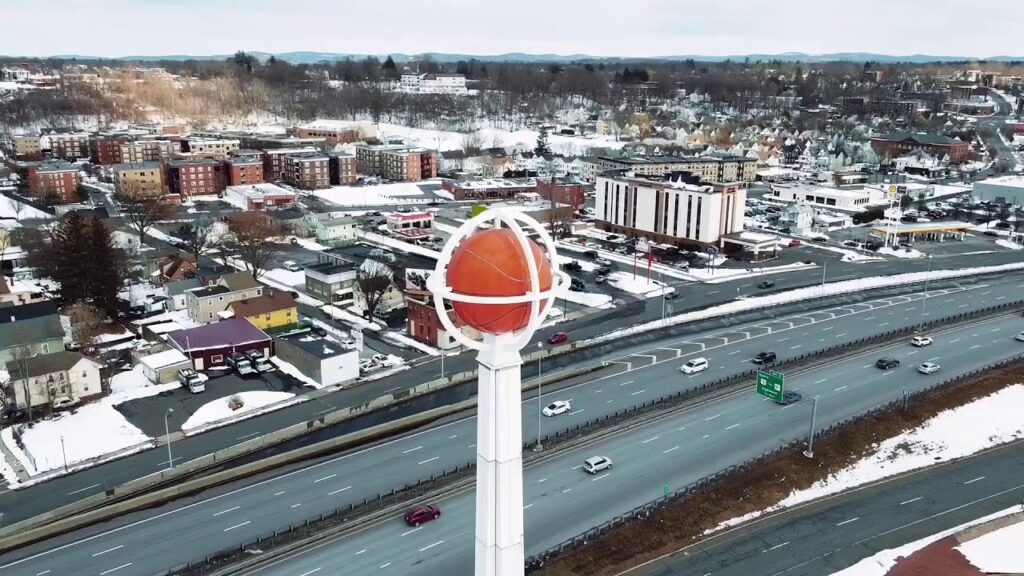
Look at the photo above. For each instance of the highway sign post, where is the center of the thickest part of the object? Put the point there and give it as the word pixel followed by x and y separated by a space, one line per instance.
pixel 771 384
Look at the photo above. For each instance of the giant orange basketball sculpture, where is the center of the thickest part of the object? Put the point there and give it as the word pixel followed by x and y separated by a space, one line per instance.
pixel 492 263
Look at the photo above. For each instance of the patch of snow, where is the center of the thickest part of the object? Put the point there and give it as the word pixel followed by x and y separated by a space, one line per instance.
pixel 9 209
pixel 848 255
pixel 1009 244
pixel 133 384
pixel 900 253
pixel 310 244
pixel 218 411
pixel 292 371
pixel 601 301
pixel 399 244
pixel 286 277
pixel 404 340
pixel 397 193
pixel 998 551
pixel 728 274
pixel 524 139
pixel 354 319
pixel 638 285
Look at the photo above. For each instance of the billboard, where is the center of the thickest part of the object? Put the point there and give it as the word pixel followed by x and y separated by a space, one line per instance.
pixel 416 278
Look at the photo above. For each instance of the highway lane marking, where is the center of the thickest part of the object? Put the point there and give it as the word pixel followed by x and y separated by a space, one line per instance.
pixel 774 547
pixel 471 446
pixel 797 346
pixel 248 436
pixel 361 552
pixel 911 353
pixel 324 411
pixel 947 301
pixel 883 324
pixel 453 436
pixel 995 330
pixel 328 477
pixel 338 490
pixel 383 566
pixel 889 372
pixel 576 412
pixel 840 388
pixel 566 490
pixel 75 492
pixel 278 493
pixel 1000 298
pixel 954 341
pixel 975 480
pixel 430 460
pixel 975 346
pixel 412 450
pixel 43 572
pixel 711 417
pixel 542 480
pixel 527 506
pixel 911 309
pixel 848 521
pixel 246 523
pixel 226 511
pixel 108 550
pixel 417 529
pixel 296 505
pixel 840 335
pixel 706 436
pixel 651 439
pixel 429 546
pixel 733 426
pixel 736 352
pixel 681 428
pixel 626 383
pixel 822 380
pixel 577 467
pixel 313 571
pixel 911 500
pixel 670 449
pixel 962 306
pixel 105 572
pixel 781 340
pixel 870 318
pixel 932 359
pixel 599 477
pixel 827 329
pixel 637 392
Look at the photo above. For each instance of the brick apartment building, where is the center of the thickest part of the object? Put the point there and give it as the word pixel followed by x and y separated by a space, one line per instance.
pixel 564 190
pixel 332 135
pixel 307 171
pixel 133 151
pixel 424 325
pixel 342 168
pixel 67 145
pixel 27 147
pixel 195 177
pixel 244 169
pixel 54 182
pixel 142 178
pixel 396 162
pixel 210 147
pixel 106 150
pixel 273 161
pixel 859 105
pixel 896 144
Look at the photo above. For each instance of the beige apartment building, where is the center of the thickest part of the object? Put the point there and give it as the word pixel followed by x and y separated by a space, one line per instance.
pixel 135 151
pixel 140 178
pixel 27 147
pixel 212 147
pixel 396 162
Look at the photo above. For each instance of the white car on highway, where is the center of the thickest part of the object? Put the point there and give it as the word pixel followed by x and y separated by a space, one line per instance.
pixel 1020 336
pixel 920 341
pixel 694 366
pixel 557 407
pixel 928 368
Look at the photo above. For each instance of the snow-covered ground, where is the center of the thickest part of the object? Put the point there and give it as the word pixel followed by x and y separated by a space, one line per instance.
pixel 9 209
pixel 219 410
pixel 602 301
pixel 286 277
pixel 403 340
pixel 133 384
pixel 997 552
pixel 952 434
pixel 349 317
pixel 397 193
pixel 718 275
pixel 639 285
pixel 848 255
pixel 880 563
pixel 92 431
pixel 900 253
pixel 310 244
pixel 400 245
pixel 292 371
pixel 1009 244
pixel 520 139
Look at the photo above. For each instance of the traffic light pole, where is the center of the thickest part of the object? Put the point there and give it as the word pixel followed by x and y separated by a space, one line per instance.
pixel 810 435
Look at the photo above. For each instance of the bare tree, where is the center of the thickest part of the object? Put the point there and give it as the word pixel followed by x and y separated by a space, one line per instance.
pixel 374 280
pixel 5 244
pixel 472 142
pixel 86 325
pixel 251 233
pixel 142 210
pixel 21 356
pixel 199 237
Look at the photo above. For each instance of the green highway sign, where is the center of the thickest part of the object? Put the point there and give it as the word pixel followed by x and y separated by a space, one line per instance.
pixel 771 384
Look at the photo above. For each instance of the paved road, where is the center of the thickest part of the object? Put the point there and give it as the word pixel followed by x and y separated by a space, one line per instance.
pixel 563 501
pixel 821 539
pixel 701 440
pixel 995 124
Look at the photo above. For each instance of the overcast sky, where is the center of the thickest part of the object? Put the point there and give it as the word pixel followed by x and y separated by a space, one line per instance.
pixel 596 27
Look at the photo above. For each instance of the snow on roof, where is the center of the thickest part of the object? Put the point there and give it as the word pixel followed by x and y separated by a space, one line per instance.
pixel 1015 180
pixel 263 190
pixel 756 237
pixel 163 359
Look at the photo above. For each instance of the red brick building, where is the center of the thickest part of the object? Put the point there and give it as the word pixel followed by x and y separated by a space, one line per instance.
pixel 424 325
pixel 896 144
pixel 565 191
pixel 55 182
pixel 106 150
pixel 273 161
pixel 342 168
pixel 306 171
pixel 243 170
pixel 195 177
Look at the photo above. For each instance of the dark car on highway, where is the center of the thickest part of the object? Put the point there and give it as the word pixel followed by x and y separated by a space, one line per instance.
pixel 558 338
pixel 671 295
pixel 419 514
pixel 789 397
pixel 577 285
pixel 887 363
pixel 766 284
pixel 765 358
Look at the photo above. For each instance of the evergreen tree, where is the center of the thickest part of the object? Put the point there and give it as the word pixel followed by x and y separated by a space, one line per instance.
pixel 70 261
pixel 389 64
pixel 107 270
pixel 542 147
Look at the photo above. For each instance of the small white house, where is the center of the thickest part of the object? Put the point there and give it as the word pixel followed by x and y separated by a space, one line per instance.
pixel 162 367
pixel 61 379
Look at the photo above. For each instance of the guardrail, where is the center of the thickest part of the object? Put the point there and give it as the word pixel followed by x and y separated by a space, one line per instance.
pixel 539 560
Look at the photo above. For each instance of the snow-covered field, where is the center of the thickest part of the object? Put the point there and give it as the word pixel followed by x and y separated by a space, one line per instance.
pixel 403 340
pixel 638 285
pixel 952 434
pixel 997 552
pixel 400 245
pixel 132 384
pixel 219 410
pixel 92 431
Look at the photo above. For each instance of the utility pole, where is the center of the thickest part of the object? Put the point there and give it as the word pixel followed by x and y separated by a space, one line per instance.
pixel 64 453
pixel 167 432
pixel 810 435
pixel 538 447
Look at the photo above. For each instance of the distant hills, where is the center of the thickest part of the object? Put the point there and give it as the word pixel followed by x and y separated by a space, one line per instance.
pixel 313 57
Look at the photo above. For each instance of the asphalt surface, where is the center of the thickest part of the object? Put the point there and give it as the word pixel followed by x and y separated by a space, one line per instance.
pixel 701 440
pixel 995 123
pixel 826 537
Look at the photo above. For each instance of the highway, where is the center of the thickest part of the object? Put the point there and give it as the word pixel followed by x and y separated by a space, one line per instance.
pixel 820 538
pixel 712 436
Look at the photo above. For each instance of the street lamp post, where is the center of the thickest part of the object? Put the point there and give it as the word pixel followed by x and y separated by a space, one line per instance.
pixel 810 435
pixel 167 432
pixel 64 453
pixel 924 297
pixel 538 446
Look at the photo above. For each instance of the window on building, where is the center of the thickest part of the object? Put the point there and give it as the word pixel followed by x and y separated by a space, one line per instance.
pixel 216 359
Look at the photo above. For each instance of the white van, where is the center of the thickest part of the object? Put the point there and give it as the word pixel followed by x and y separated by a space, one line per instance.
pixel 694 366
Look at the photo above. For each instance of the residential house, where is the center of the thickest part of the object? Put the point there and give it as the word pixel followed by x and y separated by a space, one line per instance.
pixel 322 360
pixel 425 326
pixel 204 303
pixel 336 231
pixel 17 293
pixel 210 346
pixel 36 336
pixel 11 312
pixel 67 377
pixel 176 297
pixel 331 281
pixel 176 267
pixel 269 311
pixel 391 299
pixel 451 161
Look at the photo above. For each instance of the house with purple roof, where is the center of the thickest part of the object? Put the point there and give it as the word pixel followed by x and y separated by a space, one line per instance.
pixel 211 345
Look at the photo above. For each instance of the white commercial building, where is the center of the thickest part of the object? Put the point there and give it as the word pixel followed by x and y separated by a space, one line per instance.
pixel 1001 189
pixel 433 84
pixel 846 200
pixel 669 210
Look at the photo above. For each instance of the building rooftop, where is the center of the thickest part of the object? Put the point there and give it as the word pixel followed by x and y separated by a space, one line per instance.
pixel 263 304
pixel 137 166
pixel 256 191
pixel 210 291
pixel 321 348
pixel 235 332
pixel 920 138
pixel 193 161
pixel 308 157
pixel 31 331
pixel 239 281
pixel 163 359
pixel 275 151
pixel 45 364
pixel 57 167
pixel 492 183
pixel 331 268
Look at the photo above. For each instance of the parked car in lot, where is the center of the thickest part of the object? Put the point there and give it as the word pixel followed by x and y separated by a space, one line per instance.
pixel 887 363
pixel 590 253
pixel 1020 336
pixel 694 366
pixel 557 407
pixel 928 368
pixel 600 278
pixel 64 403
pixel 558 338
pixel 603 271
pixel 423 513
pixel 367 365
pixel 572 266
pixel 576 285
pixel 794 243
pixel 596 464
pixel 789 397
pixel 764 358
pixel 194 381
pixel 292 266
pixel 921 341
pixel 383 360
pixel 672 295
pixel 603 262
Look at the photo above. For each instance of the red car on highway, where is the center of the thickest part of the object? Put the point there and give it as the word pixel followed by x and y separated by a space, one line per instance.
pixel 558 338
pixel 424 513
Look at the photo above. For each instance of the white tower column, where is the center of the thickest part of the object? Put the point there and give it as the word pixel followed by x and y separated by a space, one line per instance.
pixel 499 460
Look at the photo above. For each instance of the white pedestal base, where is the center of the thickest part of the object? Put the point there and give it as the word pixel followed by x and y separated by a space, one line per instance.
pixel 499 462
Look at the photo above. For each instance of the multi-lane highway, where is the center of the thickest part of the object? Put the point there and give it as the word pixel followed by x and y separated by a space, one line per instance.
pixel 673 451
pixel 825 537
